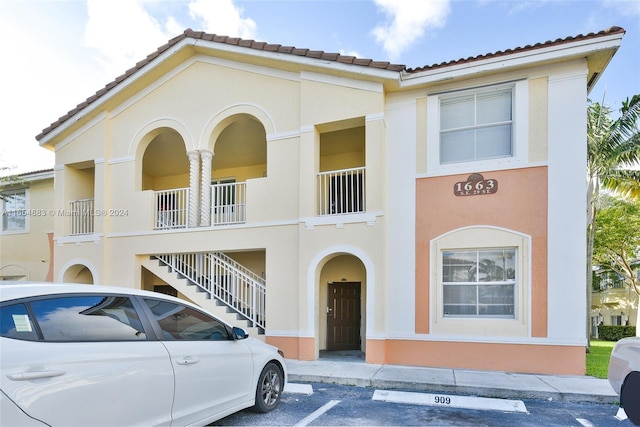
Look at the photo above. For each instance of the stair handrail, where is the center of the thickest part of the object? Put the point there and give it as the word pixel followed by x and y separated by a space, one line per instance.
pixel 197 268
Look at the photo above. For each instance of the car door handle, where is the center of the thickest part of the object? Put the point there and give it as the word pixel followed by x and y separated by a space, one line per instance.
pixel 25 376
pixel 187 361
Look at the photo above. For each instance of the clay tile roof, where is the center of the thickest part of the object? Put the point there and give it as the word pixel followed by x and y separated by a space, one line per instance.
pixel 556 42
pixel 314 54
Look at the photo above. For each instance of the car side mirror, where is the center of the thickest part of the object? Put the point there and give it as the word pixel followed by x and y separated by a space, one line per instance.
pixel 239 333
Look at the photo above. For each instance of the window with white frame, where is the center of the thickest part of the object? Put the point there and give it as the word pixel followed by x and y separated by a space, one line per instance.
pixel 476 125
pixel 14 210
pixel 616 320
pixel 479 282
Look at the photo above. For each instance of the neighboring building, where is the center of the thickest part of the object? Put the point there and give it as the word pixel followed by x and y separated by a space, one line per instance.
pixel 430 216
pixel 613 302
pixel 26 236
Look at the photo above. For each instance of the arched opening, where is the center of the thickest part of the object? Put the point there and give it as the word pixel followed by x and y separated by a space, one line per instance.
pixel 342 307
pixel 78 273
pixel 165 170
pixel 241 149
pixel 165 164
pixel 240 154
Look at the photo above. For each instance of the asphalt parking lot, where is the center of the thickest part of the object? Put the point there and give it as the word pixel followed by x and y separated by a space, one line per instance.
pixel 319 404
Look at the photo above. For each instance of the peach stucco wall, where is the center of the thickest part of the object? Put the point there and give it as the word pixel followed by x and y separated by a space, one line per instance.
pixel 301 348
pixel 525 358
pixel 520 204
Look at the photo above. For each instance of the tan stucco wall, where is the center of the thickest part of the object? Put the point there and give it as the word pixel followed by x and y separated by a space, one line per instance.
pixel 28 253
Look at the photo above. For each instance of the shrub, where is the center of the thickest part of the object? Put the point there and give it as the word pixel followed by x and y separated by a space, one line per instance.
pixel 615 333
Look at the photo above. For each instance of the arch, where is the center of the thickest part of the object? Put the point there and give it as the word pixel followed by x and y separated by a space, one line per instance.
pixel 486 237
pixel 313 287
pixel 480 227
pixel 140 142
pixel 75 268
pixel 224 117
pixel 145 135
pixel 13 271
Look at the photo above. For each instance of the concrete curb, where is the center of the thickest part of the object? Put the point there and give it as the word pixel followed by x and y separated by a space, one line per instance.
pixel 574 389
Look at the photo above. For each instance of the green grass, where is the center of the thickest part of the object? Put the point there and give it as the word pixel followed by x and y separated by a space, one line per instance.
pixel 598 358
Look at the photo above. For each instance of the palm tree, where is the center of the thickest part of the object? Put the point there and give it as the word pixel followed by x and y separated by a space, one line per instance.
pixel 613 148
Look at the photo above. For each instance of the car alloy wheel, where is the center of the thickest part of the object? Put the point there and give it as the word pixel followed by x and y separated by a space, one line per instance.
pixel 630 397
pixel 269 388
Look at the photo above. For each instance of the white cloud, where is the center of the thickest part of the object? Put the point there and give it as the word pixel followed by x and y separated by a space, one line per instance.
pixel 123 33
pixel 526 6
pixel 407 21
pixel 223 17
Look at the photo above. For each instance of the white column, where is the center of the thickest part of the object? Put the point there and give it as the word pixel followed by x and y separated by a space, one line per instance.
pixel 194 188
pixel 205 188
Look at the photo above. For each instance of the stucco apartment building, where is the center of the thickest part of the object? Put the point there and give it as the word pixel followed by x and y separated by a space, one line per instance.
pixel 26 231
pixel 430 216
pixel 614 302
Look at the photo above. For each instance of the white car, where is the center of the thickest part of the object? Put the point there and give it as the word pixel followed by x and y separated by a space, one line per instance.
pixel 624 375
pixel 80 355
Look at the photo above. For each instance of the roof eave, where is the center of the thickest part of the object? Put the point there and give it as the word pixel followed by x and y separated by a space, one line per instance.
pixel 112 90
pixel 476 67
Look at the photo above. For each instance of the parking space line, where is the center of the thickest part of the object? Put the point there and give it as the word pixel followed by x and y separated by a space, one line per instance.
pixel 445 400
pixel 298 388
pixel 585 423
pixel 317 413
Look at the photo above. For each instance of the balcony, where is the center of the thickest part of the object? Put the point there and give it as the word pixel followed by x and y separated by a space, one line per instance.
pixel 228 206
pixel 171 209
pixel 228 203
pixel 82 214
pixel 341 191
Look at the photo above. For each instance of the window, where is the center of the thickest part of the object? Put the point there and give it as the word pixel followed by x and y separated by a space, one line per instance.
pixel 616 320
pixel 476 126
pixel 180 322
pixel 88 318
pixel 16 323
pixel 14 210
pixel 479 282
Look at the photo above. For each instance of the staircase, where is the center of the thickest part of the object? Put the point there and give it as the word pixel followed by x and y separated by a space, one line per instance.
pixel 217 283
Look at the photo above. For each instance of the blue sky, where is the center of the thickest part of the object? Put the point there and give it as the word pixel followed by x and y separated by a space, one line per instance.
pixel 57 53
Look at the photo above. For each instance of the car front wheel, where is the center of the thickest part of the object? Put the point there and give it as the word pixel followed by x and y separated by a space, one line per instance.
pixel 630 397
pixel 269 389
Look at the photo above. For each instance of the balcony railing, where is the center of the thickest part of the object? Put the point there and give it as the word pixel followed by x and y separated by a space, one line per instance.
pixel 341 191
pixel 81 212
pixel 228 203
pixel 171 209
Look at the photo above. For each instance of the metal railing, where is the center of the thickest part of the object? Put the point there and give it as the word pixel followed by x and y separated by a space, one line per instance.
pixel 341 191
pixel 228 203
pixel 82 214
pixel 223 279
pixel 171 209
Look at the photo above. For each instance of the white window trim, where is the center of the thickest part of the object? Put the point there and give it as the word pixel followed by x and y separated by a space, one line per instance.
pixel 520 129
pixel 27 205
pixel 481 237
pixel 478 284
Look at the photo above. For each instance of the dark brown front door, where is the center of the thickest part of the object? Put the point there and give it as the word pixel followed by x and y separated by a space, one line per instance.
pixel 343 316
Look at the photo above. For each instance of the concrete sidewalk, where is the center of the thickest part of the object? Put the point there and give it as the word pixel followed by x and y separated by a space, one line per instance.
pixel 455 381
